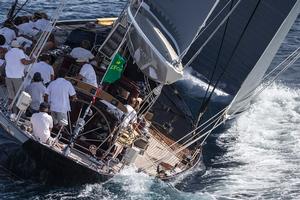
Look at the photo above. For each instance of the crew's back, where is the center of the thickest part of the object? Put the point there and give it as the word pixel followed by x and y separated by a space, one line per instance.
pixel 58 93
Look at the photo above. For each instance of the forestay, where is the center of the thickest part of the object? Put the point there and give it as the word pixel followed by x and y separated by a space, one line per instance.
pixel 238 55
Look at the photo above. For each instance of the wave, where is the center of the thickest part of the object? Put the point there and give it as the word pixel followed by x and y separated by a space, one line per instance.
pixel 265 142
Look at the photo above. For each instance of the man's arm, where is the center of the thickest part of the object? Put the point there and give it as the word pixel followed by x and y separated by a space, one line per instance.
pixel 73 98
pixel 46 98
pixel 27 62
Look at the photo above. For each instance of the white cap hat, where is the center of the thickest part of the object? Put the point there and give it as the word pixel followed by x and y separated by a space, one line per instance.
pixel 15 44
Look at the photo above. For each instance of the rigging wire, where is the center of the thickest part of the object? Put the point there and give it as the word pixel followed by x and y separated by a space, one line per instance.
pixel 213 33
pixel 203 30
pixel 224 70
pixel 193 133
pixel 294 53
pixel 293 57
pixel 20 8
pixel 203 106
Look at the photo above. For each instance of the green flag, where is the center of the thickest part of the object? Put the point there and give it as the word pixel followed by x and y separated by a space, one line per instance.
pixel 115 69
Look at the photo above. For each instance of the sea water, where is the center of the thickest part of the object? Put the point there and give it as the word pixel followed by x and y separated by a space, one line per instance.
pixel 256 156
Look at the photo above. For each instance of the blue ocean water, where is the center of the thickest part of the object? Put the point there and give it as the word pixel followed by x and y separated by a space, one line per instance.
pixel 256 157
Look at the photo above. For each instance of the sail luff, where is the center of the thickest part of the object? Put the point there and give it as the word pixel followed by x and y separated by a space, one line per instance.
pixel 243 97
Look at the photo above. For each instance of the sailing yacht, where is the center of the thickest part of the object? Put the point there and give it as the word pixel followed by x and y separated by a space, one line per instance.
pixel 143 54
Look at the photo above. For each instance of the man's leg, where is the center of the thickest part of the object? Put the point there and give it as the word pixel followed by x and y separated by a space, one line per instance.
pixel 10 89
pixel 17 82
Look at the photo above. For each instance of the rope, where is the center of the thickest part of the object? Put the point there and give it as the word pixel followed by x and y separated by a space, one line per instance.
pixel 203 107
pixel 295 56
pixel 203 30
pixel 294 53
pixel 206 103
pixel 138 112
pixel 183 146
pixel 212 34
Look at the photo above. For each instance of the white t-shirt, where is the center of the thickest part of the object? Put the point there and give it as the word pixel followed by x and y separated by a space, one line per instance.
pixel 21 40
pixel 130 116
pixel 45 69
pixel 80 52
pixel 9 34
pixel 41 125
pixel 89 74
pixel 42 24
pixel 37 90
pixel 59 92
pixel 27 29
pixel 14 68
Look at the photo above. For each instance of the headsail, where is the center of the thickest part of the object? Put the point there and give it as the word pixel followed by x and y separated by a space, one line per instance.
pixel 161 31
pixel 182 19
pixel 241 51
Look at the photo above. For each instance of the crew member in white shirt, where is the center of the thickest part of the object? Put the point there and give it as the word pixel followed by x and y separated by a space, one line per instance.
pixel 130 117
pixel 37 91
pixel 42 124
pixel 42 23
pixel 44 68
pixel 58 94
pixel 15 65
pixel 82 52
pixel 24 41
pixel 27 28
pixel 8 32
pixel 87 73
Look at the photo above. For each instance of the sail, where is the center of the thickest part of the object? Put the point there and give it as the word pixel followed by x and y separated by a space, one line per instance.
pixel 182 19
pixel 161 30
pixel 238 55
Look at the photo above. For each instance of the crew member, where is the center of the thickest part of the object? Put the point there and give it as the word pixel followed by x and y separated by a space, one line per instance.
pixel 27 28
pixel 15 65
pixel 87 73
pixel 82 52
pixel 42 124
pixel 37 91
pixel 130 117
pixel 41 21
pixel 44 68
pixel 8 32
pixel 57 94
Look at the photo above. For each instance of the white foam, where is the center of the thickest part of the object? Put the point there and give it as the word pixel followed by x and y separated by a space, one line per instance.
pixel 197 88
pixel 267 147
